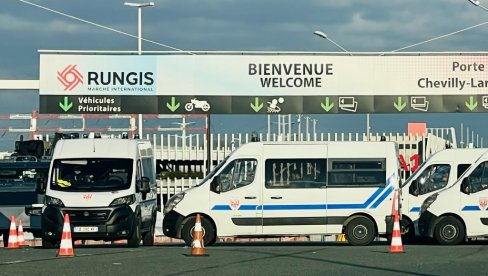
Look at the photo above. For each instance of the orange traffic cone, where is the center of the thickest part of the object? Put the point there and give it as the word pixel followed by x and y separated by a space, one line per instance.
pixel 20 235
pixel 66 248
pixel 197 247
pixel 396 237
pixel 12 236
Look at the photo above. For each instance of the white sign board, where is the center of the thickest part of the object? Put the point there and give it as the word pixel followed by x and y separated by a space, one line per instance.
pixel 263 75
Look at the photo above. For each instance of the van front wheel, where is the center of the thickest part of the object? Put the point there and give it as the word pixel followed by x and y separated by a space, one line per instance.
pixel 135 239
pixel 449 231
pixel 5 238
pixel 48 244
pixel 360 231
pixel 407 230
pixel 208 231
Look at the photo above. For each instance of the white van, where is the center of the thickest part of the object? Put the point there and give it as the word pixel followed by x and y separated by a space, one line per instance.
pixel 440 170
pixel 106 186
pixel 458 212
pixel 296 188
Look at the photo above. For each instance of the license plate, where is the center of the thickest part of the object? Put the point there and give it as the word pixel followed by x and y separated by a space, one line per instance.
pixel 85 229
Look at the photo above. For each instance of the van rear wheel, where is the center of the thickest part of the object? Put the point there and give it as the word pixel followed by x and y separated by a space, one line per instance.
pixel 208 231
pixel 360 231
pixel 148 237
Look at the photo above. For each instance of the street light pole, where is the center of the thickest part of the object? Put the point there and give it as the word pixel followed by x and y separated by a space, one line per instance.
pixel 139 7
pixel 477 4
pixel 324 36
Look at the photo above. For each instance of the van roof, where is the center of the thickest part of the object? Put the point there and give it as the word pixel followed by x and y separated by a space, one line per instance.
pixel 483 156
pixel 110 148
pixel 351 147
pixel 460 155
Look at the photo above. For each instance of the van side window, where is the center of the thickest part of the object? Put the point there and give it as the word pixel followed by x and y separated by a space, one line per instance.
pixel 295 173
pixel 461 168
pixel 478 179
pixel 147 169
pixel 237 174
pixel 357 172
pixel 433 178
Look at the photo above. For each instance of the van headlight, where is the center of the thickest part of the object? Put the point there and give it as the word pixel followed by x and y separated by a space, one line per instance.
pixel 172 202
pixel 427 202
pixel 125 200
pixel 53 201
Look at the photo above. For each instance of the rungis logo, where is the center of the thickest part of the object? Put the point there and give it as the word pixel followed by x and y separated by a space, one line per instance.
pixel 70 77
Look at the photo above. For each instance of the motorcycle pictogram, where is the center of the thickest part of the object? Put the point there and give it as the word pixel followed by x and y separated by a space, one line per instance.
pixel 194 103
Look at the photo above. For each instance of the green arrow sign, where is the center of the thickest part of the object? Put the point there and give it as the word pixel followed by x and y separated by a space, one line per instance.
pixel 399 105
pixel 173 106
pixel 472 104
pixel 66 105
pixel 327 105
pixel 256 106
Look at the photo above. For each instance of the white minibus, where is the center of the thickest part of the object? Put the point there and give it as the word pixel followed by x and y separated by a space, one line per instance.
pixel 106 186
pixel 265 189
pixel 440 170
pixel 459 212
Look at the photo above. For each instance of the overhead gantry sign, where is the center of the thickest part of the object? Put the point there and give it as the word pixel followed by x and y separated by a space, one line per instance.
pixel 279 83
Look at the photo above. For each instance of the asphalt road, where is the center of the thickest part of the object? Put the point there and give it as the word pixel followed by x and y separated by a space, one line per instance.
pixel 291 258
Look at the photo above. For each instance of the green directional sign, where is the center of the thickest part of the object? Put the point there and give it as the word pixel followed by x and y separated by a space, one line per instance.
pixel 66 105
pixel 399 104
pixel 261 104
pixel 257 105
pixel 472 104
pixel 327 105
pixel 173 106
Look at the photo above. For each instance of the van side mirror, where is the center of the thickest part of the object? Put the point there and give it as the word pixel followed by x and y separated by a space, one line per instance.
pixel 144 185
pixel 215 185
pixel 465 186
pixel 41 186
pixel 414 188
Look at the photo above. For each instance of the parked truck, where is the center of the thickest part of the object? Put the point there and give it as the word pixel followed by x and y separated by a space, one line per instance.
pixel 19 174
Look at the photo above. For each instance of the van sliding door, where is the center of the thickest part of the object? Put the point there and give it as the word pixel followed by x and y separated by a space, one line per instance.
pixel 294 190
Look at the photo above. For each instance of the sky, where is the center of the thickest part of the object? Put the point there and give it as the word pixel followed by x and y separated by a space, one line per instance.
pixel 236 25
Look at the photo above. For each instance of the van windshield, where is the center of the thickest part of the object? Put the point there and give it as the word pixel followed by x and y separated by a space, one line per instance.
pixel 214 171
pixel 416 173
pixel 92 174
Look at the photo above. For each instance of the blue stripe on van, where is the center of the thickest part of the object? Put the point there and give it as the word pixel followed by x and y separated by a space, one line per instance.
pixel 388 188
pixel 296 207
pixel 382 197
pixel 221 208
pixel 415 209
pixel 373 197
pixel 248 207
pixel 346 206
pixel 471 208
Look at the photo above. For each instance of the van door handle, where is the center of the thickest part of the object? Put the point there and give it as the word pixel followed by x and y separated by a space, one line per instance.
pixel 276 197
pixel 250 197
